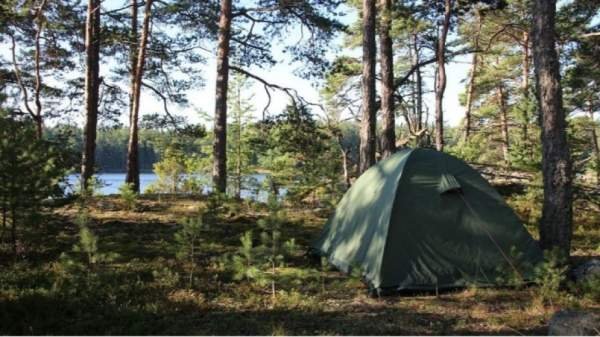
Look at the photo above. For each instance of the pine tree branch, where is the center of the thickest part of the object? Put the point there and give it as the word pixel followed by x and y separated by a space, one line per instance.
pixel 22 87
pixel 165 101
pixel 290 92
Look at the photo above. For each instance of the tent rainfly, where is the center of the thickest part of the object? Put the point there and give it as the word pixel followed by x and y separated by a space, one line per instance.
pixel 424 220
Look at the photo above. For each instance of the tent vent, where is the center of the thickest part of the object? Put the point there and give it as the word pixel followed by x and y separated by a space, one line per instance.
pixel 449 184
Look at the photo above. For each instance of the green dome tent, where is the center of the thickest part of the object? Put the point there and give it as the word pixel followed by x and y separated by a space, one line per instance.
pixel 423 219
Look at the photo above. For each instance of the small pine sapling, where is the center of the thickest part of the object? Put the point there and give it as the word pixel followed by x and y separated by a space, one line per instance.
pixel 324 266
pixel 244 261
pixel 86 194
pixel 87 254
pixel 88 242
pixel 189 239
pixel 550 274
pixel 128 196
pixel 214 206
pixel 260 263
pixel 270 238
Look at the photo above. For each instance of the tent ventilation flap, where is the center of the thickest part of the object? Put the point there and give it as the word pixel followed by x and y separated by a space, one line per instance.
pixel 449 184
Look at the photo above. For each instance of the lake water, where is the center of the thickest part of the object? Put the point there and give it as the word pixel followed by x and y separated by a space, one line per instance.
pixel 110 183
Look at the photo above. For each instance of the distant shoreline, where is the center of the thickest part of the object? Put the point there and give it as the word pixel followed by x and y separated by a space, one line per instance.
pixel 116 172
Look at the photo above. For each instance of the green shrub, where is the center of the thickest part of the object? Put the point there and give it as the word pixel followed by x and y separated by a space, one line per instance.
pixel 259 263
pixel 83 259
pixel 87 247
pixel 243 263
pixel 214 205
pixel 590 288
pixel 165 277
pixel 128 196
pixel 550 275
pixel 189 239
pixel 510 271
pixel 31 171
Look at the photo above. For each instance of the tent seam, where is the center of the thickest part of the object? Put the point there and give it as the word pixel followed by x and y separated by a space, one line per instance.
pixel 392 209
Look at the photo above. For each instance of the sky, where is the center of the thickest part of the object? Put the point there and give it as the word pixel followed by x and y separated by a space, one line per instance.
pixel 202 98
pixel 283 74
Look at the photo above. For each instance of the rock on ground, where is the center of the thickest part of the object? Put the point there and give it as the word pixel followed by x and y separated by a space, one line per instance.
pixel 574 323
pixel 586 270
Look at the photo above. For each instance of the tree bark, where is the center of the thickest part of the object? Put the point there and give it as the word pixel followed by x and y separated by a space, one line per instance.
pixel 473 73
pixel 503 124
pixel 92 84
pixel 133 51
pixel 556 222
pixel 22 87
pixel 238 136
pixel 440 85
pixel 594 140
pixel 13 232
pixel 368 121
pixel 418 85
pixel 525 88
pixel 388 137
pixel 133 167
pixel 38 77
pixel 219 173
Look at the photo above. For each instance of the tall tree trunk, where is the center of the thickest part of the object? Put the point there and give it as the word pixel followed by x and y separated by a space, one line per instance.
pixel 440 85
pixel 388 139
pixel 369 120
pixel 13 232
pixel 219 174
pixel 345 158
pixel 133 51
pixel 133 167
pixel 557 212
pixel 594 140
pixel 345 165
pixel 238 135
pixel 503 124
pixel 418 84
pixel 473 74
pixel 525 88
pixel 17 71
pixel 133 57
pixel 39 20
pixel 92 84
pixel 413 86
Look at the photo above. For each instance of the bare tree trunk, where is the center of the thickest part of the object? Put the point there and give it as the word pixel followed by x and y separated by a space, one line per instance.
pixel 473 73
pixel 133 51
pixel 238 169
pixel 525 88
pixel 413 86
pixel 219 174
pixel 133 57
pixel 557 212
pixel 92 84
pixel 345 159
pixel 13 232
pixel 345 167
pixel 388 139
pixel 440 86
pixel 133 167
pixel 419 86
pixel 503 124
pixel 38 77
pixel 594 139
pixel 22 87
pixel 369 120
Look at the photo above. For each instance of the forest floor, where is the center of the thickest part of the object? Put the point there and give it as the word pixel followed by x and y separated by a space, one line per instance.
pixel 138 286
